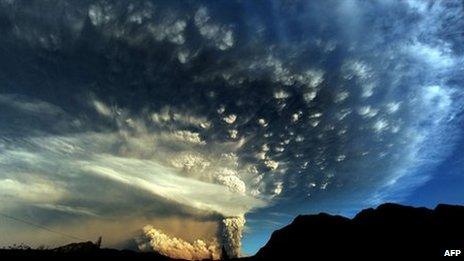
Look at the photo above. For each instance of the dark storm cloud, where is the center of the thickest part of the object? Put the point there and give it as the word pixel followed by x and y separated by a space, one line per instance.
pixel 285 103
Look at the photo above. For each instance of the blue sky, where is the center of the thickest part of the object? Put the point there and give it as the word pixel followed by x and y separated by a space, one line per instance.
pixel 445 187
pixel 446 184
pixel 154 114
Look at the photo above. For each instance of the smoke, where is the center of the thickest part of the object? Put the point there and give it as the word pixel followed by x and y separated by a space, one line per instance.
pixel 232 229
pixel 193 106
pixel 178 248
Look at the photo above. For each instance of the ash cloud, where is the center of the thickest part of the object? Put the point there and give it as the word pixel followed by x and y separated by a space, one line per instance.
pixel 217 109
pixel 231 235
pixel 179 248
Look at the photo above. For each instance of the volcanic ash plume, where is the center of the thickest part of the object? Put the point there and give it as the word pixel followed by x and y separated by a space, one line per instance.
pixel 178 248
pixel 232 228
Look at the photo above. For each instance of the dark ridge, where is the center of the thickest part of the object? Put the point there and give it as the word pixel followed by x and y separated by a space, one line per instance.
pixel 80 251
pixel 388 231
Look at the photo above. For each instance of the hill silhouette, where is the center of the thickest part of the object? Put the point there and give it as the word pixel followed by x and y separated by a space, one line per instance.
pixel 388 231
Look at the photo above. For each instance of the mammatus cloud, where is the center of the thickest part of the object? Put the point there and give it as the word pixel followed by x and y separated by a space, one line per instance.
pixel 191 110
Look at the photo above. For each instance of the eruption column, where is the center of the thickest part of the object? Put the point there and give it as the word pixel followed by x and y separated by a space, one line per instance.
pixel 232 228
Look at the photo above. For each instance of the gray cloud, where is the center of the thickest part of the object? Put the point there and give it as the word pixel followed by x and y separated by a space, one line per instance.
pixel 179 248
pixel 110 105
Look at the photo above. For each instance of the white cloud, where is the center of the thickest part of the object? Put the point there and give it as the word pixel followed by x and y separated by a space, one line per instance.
pixel 100 14
pixel 36 191
pixel 342 114
pixel 380 125
pixel 357 68
pixel 278 188
pixel 186 136
pixel 281 94
pixel 393 107
pixel 183 56
pixel 102 108
pixel 233 134
pixel 296 116
pixel 367 111
pixel 309 95
pixel 262 122
pixel 271 164
pixel 314 78
pixel 30 106
pixel 340 157
pixel 170 31
pixel 168 116
pixel 189 161
pixel 220 35
pixel 314 123
pixel 437 96
pixel 439 57
pixel 367 90
pixel 230 119
pixel 341 96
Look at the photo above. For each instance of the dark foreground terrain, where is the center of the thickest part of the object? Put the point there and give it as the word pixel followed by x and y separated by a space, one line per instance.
pixel 389 231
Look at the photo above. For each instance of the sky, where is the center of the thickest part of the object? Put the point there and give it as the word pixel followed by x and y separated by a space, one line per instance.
pixel 188 126
pixel 444 187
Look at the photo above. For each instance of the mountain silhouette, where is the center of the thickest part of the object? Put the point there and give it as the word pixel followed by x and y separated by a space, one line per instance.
pixel 388 231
